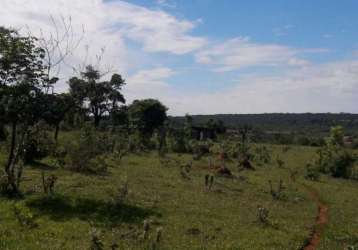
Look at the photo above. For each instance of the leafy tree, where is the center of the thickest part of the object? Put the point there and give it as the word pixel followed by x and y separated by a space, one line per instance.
pixel 58 105
pixel 147 115
pixel 336 136
pixel 22 78
pixel 97 97
pixel 120 117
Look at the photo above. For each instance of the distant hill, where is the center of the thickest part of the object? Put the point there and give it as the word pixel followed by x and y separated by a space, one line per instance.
pixel 282 122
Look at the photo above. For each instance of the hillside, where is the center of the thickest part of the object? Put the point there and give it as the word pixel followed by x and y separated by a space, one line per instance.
pixel 188 215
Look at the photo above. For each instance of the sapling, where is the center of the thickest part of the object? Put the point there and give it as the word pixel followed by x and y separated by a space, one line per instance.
pixel 263 214
pixel 48 183
pixel 96 242
pixel 146 228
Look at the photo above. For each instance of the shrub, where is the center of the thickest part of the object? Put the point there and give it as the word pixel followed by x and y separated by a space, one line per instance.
pixel 262 155
pixel 24 216
pixel 39 144
pixel 332 158
pixel 312 172
pixel 177 142
pixel 336 161
pixel 342 164
pixel 88 151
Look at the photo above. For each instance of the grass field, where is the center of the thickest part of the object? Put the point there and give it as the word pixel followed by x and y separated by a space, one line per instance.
pixel 191 217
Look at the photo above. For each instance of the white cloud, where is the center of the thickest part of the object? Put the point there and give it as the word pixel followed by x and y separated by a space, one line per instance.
pixel 166 3
pixel 331 87
pixel 107 23
pixel 112 24
pixel 240 53
pixel 149 83
pixel 151 76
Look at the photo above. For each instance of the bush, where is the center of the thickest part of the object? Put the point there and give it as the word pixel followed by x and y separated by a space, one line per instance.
pixel 39 144
pixel 312 172
pixel 262 155
pixel 335 160
pixel 177 142
pixel 24 216
pixel 88 151
pixel 342 165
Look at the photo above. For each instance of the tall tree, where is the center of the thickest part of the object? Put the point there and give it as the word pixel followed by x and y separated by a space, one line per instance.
pixel 22 78
pixel 147 115
pixel 98 97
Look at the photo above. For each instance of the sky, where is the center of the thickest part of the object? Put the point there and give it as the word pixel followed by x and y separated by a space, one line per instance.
pixel 211 56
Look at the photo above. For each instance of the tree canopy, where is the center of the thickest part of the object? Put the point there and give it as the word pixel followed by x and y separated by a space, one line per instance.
pixel 97 97
pixel 147 115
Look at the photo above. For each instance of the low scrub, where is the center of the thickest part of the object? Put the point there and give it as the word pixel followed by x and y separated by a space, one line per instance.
pixel 88 152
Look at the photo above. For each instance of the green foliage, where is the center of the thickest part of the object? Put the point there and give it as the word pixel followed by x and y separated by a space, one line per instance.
pixel 87 152
pixel 262 155
pixel 22 96
pixel 312 172
pixel 57 107
pixel 39 143
pixel 336 136
pixel 224 216
pixel 24 216
pixel 146 116
pixel 96 97
pixel 333 158
pixel 177 142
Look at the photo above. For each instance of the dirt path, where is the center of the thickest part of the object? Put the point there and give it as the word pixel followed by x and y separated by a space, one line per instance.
pixel 321 220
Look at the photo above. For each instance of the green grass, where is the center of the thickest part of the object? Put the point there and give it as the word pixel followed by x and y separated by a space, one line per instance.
pixel 191 217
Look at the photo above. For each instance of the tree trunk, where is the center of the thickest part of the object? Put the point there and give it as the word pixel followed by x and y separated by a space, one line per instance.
pixel 11 180
pixel 12 147
pixel 57 129
pixel 96 120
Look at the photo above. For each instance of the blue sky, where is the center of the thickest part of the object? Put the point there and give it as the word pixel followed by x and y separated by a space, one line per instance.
pixel 211 56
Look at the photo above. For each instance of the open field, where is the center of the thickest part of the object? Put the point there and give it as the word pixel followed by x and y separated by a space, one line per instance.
pixel 191 217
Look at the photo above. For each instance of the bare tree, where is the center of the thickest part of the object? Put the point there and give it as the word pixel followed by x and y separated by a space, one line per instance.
pixel 58 46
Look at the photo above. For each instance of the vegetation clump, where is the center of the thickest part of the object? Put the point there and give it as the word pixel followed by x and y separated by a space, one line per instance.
pixel 24 216
pixel 333 158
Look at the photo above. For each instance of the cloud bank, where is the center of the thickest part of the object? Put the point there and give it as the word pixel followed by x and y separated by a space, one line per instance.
pixel 138 42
